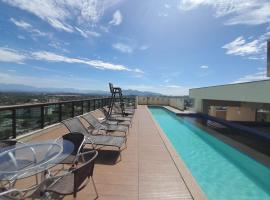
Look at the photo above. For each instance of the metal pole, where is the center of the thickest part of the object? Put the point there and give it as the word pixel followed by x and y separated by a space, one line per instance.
pixel 42 117
pixel 14 134
pixel 60 112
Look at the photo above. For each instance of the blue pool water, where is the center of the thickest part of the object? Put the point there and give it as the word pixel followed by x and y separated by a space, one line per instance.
pixel 222 172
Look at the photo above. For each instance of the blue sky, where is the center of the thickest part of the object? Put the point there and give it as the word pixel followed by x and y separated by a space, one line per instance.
pixel 165 46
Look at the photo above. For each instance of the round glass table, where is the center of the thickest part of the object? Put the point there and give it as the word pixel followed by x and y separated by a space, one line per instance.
pixel 24 160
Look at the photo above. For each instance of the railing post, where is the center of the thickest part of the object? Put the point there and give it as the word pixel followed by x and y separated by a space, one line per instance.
pixel 90 103
pixel 94 104
pixel 82 107
pixel 42 117
pixel 60 112
pixel 73 109
pixel 89 106
pixel 14 134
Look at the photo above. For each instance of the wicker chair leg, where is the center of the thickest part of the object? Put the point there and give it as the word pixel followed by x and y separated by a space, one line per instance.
pixel 74 196
pixel 94 186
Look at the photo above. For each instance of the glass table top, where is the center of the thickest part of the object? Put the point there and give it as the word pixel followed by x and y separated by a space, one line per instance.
pixel 24 160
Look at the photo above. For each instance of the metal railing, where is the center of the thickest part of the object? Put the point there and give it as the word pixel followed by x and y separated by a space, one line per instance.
pixel 20 119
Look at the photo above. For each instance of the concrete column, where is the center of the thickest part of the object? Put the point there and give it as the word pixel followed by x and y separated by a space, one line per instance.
pixel 136 101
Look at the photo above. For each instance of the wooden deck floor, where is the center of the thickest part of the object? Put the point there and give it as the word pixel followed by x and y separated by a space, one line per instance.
pixel 146 170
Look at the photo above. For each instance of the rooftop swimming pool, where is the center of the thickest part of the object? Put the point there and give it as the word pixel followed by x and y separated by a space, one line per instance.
pixel 220 170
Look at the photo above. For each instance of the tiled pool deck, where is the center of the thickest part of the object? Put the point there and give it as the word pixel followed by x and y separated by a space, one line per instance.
pixel 148 168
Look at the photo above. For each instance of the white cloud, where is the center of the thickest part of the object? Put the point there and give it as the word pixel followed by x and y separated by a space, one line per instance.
pixel 254 15
pixel 60 13
pixel 190 4
pixel 117 18
pixel 255 49
pixel 49 11
pixel 21 24
pixel 173 86
pixel 204 67
pixel 58 45
pixel 11 55
pixel 87 34
pixel 144 47
pixel 81 32
pixel 261 75
pixel 28 27
pixel 92 33
pixel 123 47
pixel 251 12
pixel 61 26
pixel 240 47
pixel 51 57
pixel 138 71
pixel 50 82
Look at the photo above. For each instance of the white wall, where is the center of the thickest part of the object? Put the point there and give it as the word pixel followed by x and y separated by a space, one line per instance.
pixel 257 92
pixel 176 102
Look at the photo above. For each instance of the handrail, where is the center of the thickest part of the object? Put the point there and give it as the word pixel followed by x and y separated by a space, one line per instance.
pixel 2 108
pixel 45 104
pixel 85 105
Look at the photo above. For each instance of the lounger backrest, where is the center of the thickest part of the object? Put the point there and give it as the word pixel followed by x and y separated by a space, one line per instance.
pixel 105 112
pixel 116 108
pixel 92 121
pixel 75 125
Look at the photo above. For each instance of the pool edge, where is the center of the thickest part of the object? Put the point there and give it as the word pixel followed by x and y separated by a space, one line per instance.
pixel 193 187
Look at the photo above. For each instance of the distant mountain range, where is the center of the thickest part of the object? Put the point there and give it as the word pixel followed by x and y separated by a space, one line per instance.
pixel 140 93
pixel 26 88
